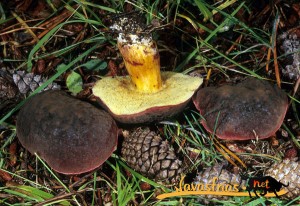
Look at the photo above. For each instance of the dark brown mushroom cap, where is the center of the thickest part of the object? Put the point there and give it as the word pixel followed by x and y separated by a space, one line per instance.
pixel 72 136
pixel 248 110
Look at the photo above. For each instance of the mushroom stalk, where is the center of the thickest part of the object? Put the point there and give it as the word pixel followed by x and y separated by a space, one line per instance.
pixel 142 62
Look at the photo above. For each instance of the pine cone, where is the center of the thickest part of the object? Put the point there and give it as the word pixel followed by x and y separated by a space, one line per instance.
pixel 224 177
pixel 147 153
pixel 28 82
pixel 287 171
pixel 290 45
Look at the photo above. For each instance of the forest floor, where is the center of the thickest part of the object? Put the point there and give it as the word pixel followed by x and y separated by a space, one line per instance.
pixel 69 45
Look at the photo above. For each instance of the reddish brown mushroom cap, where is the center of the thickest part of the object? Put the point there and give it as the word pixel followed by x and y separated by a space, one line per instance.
pixel 72 136
pixel 249 110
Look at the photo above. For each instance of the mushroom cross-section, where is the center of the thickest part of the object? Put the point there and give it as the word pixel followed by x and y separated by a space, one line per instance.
pixel 146 94
pixel 72 136
pixel 252 109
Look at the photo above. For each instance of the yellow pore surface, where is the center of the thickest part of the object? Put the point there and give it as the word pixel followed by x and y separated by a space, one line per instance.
pixel 122 98
pixel 143 65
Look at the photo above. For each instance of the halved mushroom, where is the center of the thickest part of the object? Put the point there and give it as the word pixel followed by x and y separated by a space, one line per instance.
pixel 145 95
pixel 72 136
pixel 252 109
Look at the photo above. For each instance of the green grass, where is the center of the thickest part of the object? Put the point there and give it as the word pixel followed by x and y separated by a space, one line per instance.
pixel 196 52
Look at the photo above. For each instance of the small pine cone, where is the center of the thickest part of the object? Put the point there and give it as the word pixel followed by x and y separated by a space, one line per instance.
pixel 290 45
pixel 224 177
pixel 28 82
pixel 287 172
pixel 147 153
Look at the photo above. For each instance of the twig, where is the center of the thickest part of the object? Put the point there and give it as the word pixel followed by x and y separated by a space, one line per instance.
pixel 238 40
pixel 277 74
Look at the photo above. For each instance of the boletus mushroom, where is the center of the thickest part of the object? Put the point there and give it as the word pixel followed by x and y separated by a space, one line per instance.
pixel 72 136
pixel 251 109
pixel 147 94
